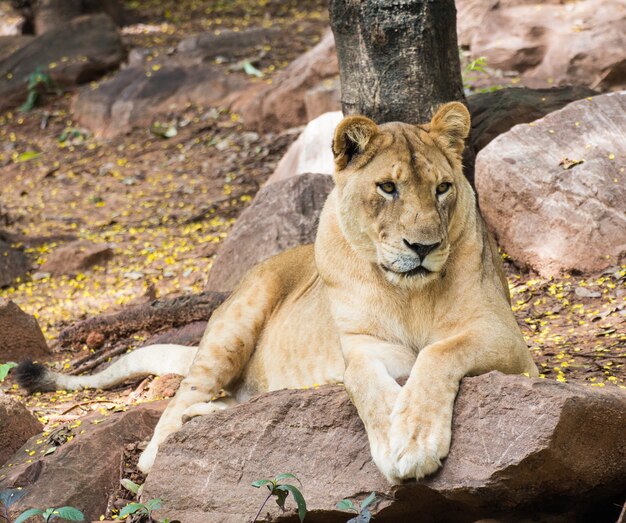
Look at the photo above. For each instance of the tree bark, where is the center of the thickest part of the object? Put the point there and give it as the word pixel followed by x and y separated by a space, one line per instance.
pixel 398 60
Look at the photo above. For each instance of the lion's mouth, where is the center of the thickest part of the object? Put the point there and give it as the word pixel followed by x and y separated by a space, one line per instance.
pixel 420 270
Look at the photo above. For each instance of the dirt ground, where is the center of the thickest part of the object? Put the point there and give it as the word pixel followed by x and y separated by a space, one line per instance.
pixel 166 204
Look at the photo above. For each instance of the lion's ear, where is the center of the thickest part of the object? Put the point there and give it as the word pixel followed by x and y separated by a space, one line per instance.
pixel 451 124
pixel 352 136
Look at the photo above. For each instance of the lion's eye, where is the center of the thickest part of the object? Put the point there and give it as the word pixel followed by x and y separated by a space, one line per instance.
pixel 443 188
pixel 387 187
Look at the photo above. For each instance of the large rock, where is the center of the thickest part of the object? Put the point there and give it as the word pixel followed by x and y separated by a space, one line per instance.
pixel 548 211
pixel 84 471
pixel 74 53
pixel 496 112
pixel 521 448
pixel 282 104
pixel 75 257
pixel 13 263
pixel 555 44
pixel 282 215
pixel 323 98
pixel 20 335
pixel 17 424
pixel 51 14
pixel 311 152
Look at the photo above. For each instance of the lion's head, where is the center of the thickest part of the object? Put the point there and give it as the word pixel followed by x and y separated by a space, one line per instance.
pixel 399 188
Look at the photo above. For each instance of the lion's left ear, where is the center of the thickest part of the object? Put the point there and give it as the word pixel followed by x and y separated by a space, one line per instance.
pixel 452 125
pixel 352 137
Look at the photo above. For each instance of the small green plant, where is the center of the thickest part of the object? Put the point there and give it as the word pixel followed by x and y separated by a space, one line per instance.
pixel 477 65
pixel 281 491
pixel 38 84
pixel 5 368
pixel 363 515
pixel 142 509
pixel 10 496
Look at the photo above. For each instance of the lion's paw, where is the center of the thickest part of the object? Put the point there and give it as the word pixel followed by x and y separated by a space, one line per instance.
pixel 417 444
pixel 203 408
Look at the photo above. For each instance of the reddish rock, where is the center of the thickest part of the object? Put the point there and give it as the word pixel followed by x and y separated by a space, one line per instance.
pixel 13 264
pixel 95 340
pixel 522 450
pixel 554 191
pixel 282 215
pixel 85 471
pixel 81 51
pixel 17 424
pixel 311 152
pixel 132 98
pixel 281 105
pixel 75 257
pixel 496 112
pixel 163 387
pixel 20 335
pixel 323 98
pixel 555 43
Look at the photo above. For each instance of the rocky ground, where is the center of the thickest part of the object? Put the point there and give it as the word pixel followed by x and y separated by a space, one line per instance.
pixel 162 205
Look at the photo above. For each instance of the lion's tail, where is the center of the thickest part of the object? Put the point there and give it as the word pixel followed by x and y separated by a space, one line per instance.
pixel 153 359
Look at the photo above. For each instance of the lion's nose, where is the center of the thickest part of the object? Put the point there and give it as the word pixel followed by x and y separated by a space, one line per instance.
pixel 421 249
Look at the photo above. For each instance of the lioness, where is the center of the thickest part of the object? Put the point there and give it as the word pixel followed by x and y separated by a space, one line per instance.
pixel 403 281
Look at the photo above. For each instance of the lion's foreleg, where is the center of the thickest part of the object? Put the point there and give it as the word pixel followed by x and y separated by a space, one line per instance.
pixel 223 353
pixel 421 419
pixel 372 367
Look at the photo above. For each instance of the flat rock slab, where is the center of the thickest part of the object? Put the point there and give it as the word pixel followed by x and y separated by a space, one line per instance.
pixel 17 424
pixel 135 95
pixel 521 448
pixel 554 191
pixel 20 335
pixel 282 215
pixel 80 51
pixel 85 471
pixel 76 256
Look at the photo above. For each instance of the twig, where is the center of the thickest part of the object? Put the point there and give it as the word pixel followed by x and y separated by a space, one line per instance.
pixel 85 403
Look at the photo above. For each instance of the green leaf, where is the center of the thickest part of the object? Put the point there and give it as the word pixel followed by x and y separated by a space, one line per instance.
pixel 298 497
pixel 281 496
pixel 250 70
pixel 346 504
pixel 47 513
pixel 27 514
pixel 368 500
pixel 154 504
pixel 4 371
pixel 286 475
pixel 26 156
pixel 49 451
pixel 129 485
pixel 132 508
pixel 69 513
pixel 260 482
pixel 10 496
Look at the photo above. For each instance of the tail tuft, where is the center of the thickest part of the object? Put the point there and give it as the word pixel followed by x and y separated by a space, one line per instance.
pixel 34 377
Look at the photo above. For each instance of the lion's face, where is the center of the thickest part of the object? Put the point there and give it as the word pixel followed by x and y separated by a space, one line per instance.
pixel 398 188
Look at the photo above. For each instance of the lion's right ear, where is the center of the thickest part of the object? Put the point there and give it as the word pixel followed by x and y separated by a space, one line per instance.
pixel 352 136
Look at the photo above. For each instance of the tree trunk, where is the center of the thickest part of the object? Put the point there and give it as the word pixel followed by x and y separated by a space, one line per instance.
pixel 398 60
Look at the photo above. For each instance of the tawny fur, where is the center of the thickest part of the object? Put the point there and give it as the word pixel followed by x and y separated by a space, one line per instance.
pixel 361 307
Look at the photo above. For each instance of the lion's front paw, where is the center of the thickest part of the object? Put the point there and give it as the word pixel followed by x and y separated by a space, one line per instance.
pixel 202 409
pixel 418 442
